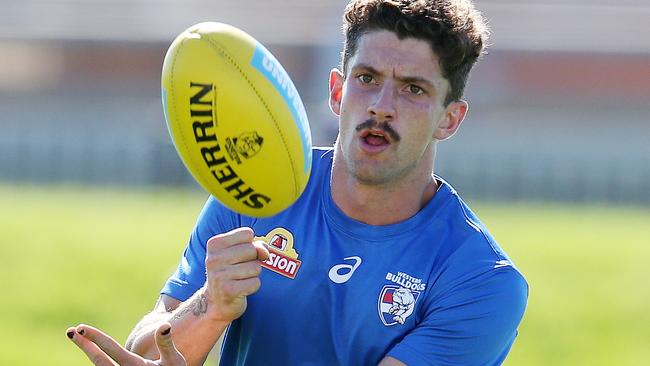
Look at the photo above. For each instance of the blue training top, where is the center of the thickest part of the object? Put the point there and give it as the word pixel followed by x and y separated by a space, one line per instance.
pixel 435 289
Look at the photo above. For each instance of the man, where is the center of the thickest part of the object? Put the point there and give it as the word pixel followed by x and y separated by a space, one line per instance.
pixel 379 261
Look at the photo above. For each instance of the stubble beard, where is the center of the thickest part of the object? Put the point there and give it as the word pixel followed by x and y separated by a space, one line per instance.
pixel 379 175
pixel 373 173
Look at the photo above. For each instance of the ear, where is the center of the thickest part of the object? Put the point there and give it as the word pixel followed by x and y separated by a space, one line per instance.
pixel 336 91
pixel 451 120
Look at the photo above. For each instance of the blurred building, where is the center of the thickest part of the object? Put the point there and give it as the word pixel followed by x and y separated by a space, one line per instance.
pixel 559 106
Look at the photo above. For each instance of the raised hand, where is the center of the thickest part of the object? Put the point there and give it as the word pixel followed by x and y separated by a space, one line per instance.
pixel 233 269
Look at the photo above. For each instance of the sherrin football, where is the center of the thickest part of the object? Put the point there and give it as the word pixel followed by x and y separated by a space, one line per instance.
pixel 236 119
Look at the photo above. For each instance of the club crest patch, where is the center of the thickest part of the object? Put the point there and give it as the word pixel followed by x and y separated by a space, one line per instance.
pixel 283 258
pixel 397 301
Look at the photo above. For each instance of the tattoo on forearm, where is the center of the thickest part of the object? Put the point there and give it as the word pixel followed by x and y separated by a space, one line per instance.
pixel 200 305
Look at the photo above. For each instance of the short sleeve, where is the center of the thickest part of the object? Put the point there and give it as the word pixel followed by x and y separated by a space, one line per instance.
pixel 475 324
pixel 190 274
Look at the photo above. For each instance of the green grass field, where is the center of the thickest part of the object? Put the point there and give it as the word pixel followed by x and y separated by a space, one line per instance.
pixel 99 256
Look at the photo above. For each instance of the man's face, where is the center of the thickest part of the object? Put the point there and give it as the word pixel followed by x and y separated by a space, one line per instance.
pixel 391 109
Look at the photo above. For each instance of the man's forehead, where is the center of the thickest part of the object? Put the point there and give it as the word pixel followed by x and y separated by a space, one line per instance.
pixel 386 53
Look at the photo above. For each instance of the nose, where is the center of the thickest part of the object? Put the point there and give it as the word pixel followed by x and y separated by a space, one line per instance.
pixel 383 108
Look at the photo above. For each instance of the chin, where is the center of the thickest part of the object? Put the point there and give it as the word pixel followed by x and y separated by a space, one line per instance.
pixel 372 180
pixel 368 174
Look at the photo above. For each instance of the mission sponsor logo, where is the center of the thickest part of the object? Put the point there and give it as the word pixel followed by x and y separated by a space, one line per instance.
pixel 283 258
pixel 397 300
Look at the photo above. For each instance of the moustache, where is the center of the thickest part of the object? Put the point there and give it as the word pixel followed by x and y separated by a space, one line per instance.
pixel 384 126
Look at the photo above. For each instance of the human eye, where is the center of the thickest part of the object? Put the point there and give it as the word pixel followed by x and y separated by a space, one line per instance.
pixel 365 78
pixel 414 89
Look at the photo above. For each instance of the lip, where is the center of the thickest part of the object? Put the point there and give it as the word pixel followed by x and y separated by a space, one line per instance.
pixel 373 149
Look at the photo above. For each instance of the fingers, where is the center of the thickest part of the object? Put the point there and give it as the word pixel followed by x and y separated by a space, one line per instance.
pixel 236 236
pixel 169 354
pixel 94 353
pixel 235 281
pixel 106 343
pixel 242 271
pixel 248 286
pixel 238 253
pixel 237 246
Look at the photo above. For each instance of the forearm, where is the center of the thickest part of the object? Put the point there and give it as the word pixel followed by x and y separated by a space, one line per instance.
pixel 196 330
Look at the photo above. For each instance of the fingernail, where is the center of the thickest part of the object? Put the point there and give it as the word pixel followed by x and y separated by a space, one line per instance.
pixel 70 334
pixel 81 331
pixel 166 331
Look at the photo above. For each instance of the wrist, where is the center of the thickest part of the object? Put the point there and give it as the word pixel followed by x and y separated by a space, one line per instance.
pixel 205 306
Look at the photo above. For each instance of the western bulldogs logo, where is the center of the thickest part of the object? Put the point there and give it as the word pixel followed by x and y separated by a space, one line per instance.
pixel 248 144
pixel 396 304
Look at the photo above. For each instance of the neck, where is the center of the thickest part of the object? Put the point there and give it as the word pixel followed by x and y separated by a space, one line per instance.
pixel 384 204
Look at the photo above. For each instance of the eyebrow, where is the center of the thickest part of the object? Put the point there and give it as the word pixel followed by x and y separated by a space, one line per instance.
pixel 404 79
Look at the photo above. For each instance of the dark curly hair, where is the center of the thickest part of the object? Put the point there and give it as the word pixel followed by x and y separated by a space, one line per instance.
pixel 455 30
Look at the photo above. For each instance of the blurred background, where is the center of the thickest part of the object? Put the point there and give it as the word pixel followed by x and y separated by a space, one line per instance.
pixel 95 205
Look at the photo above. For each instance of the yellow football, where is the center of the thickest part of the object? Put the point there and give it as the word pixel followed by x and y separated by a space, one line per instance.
pixel 236 119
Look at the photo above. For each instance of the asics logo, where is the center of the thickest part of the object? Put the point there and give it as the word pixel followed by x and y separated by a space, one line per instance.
pixel 341 273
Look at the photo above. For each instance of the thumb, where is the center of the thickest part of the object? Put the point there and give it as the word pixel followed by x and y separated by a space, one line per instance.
pixel 169 355
pixel 262 249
